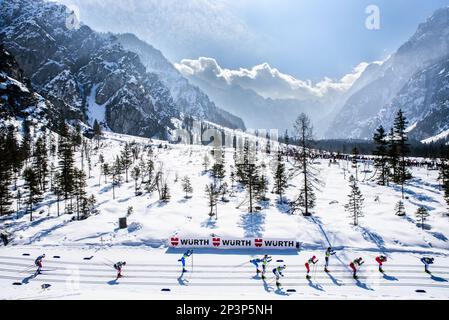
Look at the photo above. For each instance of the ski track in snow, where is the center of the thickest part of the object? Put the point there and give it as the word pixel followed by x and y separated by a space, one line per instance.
pixel 149 271
pixel 152 223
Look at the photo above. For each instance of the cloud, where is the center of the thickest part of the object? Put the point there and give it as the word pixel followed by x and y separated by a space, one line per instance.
pixel 267 81
pixel 179 28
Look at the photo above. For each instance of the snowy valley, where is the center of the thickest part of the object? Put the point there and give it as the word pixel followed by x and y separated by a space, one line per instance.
pixel 108 154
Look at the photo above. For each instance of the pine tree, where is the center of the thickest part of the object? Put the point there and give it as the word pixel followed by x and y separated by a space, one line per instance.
pixel 206 163
pixel 135 174
pixel 306 198
pixel 101 162
pixel 5 178
pixel 165 192
pixel 79 191
pixel 218 172
pixel 381 151
pixel 403 148
pixel 187 186
pixel 106 171
pixel 393 156
pixel 126 159
pixel 422 214
pixel 287 143
pixel 304 163
pixel 355 203
pixel 400 209
pixel 97 132
pixel 25 146
pixel 40 162
pixel 88 207
pixel 224 191
pixel 76 137
pixel 12 153
pixel 66 167
pixel 34 193
pixel 261 187
pixel 280 177
pixel 116 174
pixel 443 176
pixel 57 190
pixel 212 197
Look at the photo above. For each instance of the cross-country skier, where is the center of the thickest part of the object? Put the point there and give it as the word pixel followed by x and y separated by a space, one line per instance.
pixel 309 262
pixel 380 260
pixel 427 261
pixel 278 274
pixel 187 254
pixel 256 262
pixel 266 259
pixel 38 263
pixel 118 266
pixel 354 264
pixel 329 252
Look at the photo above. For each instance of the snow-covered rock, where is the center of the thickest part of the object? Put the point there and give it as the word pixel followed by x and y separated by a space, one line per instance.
pixel 65 63
pixel 18 101
pixel 409 79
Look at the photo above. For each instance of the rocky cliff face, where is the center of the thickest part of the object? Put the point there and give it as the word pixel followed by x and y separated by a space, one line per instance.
pixel 425 101
pixel 18 101
pixel 86 74
pixel 385 89
pixel 188 98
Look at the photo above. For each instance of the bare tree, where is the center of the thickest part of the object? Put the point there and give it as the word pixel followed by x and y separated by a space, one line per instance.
pixel 304 166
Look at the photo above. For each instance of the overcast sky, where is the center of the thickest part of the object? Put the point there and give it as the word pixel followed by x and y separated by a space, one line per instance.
pixel 308 39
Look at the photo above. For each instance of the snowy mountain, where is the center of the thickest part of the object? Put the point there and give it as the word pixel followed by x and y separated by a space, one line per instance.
pixel 18 101
pixel 425 100
pixel 266 98
pixel 74 66
pixel 188 98
pixel 396 83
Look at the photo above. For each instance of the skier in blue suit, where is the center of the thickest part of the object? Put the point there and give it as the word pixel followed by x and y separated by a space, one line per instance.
pixel 256 262
pixel 427 262
pixel 187 254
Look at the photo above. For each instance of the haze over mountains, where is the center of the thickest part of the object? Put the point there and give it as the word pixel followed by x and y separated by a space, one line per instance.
pixel 91 76
pixel 133 88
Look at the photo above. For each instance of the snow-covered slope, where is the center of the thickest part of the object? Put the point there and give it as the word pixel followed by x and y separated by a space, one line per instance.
pixel 152 266
pixel 153 221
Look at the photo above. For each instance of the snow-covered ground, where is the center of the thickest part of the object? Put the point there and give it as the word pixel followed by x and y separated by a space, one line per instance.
pixel 212 276
pixel 228 274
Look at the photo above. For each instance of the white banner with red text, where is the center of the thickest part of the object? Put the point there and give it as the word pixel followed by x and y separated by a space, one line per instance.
pixel 232 243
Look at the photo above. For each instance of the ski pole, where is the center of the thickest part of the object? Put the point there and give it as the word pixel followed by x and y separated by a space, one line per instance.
pixel 191 269
pixel 27 269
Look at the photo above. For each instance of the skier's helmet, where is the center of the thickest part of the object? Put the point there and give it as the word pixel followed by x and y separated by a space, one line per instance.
pixel 43 256
pixel 124 263
pixel 313 258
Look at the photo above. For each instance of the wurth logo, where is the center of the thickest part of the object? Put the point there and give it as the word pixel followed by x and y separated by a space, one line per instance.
pixel 216 242
pixel 174 241
pixel 258 242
